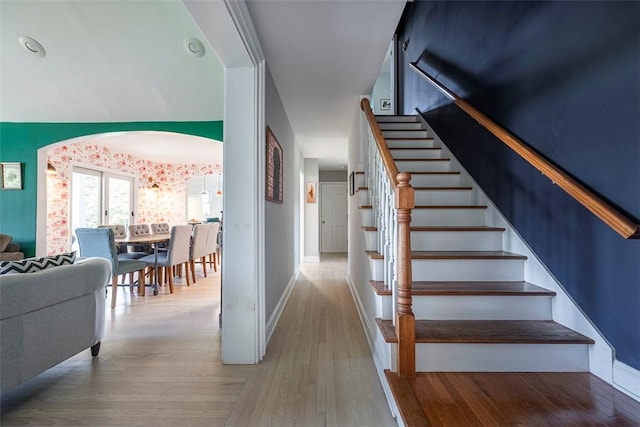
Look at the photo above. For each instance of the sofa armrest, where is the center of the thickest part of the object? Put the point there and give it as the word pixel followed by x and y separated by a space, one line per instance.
pixel 24 293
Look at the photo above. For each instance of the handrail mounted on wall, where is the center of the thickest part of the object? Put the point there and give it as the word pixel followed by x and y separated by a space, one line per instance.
pixel 603 210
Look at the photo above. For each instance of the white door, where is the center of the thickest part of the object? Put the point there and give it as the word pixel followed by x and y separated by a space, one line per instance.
pixel 333 208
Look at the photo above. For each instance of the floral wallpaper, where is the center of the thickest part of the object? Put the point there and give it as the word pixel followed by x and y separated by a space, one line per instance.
pixel 165 205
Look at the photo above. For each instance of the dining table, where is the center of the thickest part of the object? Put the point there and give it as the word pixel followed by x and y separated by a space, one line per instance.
pixel 153 240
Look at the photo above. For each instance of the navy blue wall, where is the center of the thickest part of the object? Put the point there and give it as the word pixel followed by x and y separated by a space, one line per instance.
pixel 564 77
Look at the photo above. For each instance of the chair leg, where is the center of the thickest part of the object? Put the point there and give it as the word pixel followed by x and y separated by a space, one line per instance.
pixel 192 265
pixel 215 262
pixel 114 290
pixel 159 274
pixel 186 273
pixel 141 287
pixel 170 283
pixel 204 266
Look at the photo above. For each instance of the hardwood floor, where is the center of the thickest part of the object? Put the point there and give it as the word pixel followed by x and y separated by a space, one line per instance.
pixel 159 365
pixel 318 369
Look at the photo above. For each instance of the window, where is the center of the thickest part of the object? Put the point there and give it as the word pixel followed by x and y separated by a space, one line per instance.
pixel 99 198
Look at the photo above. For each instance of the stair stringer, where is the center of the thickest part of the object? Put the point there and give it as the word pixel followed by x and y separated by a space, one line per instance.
pixel 564 309
pixel 359 264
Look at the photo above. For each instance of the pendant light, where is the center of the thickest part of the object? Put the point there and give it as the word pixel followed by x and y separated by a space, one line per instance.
pixel 219 192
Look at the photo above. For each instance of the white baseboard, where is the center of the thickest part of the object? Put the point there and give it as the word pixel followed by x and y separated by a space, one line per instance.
pixel 275 316
pixel 312 258
pixel 626 379
pixel 377 358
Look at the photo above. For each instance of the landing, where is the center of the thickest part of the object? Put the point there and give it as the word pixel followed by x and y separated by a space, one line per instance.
pixel 507 399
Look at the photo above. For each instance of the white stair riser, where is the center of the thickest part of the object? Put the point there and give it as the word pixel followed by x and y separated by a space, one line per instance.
pixel 446 240
pixel 385 303
pixel 436 180
pixel 501 357
pixel 416 153
pixel 402 119
pixel 442 197
pixel 436 217
pixel 366 216
pixel 410 143
pixel 401 126
pixel 510 270
pixel 360 181
pixel 376 266
pixel 468 269
pixel 416 166
pixel 482 307
pixel 405 133
pixel 371 240
pixel 363 197
pixel 456 240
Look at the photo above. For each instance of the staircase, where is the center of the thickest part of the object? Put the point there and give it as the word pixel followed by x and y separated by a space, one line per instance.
pixel 474 312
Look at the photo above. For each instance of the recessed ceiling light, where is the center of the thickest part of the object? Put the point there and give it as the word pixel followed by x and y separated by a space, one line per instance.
pixel 194 47
pixel 32 46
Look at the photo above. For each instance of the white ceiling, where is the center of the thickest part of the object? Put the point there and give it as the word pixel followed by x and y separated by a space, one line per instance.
pixel 162 147
pixel 125 61
pixel 323 55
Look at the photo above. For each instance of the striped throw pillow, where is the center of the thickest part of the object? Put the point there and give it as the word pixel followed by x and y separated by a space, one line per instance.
pixel 31 265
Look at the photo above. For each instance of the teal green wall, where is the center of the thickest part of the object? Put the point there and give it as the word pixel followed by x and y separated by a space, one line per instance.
pixel 19 142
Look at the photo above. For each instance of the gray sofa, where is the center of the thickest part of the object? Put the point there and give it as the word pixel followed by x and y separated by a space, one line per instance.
pixel 50 315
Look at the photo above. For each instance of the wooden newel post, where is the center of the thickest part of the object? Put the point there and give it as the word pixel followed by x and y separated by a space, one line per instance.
pixel 405 320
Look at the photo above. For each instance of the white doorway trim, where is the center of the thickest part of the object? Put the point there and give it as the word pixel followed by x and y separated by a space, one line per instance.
pixel 228 27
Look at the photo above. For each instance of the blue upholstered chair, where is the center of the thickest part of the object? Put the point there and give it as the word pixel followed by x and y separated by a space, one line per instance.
pixel 99 242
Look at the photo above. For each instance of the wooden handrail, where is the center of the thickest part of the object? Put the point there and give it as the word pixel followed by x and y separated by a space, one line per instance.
pixel 404 202
pixel 385 154
pixel 610 215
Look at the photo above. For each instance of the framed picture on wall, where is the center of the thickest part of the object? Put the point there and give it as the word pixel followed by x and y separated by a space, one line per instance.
pixel 352 183
pixel 275 165
pixel 312 196
pixel 11 176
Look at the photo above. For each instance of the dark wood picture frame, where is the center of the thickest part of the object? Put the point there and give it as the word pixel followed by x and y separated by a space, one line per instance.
pixel 352 183
pixel 274 167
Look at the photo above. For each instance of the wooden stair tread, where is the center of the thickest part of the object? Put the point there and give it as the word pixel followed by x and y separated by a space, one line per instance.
pixel 427 288
pixel 434 173
pixel 453 228
pixel 450 207
pixel 442 159
pixel 408 404
pixel 443 188
pixel 379 287
pixel 455 255
pixel 414 138
pixel 415 148
pixel 365 207
pixel 488 332
pixel 510 399
pixel 359 172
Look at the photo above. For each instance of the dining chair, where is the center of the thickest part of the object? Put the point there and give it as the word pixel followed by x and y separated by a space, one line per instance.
pixel 100 242
pixel 160 228
pixel 176 255
pixel 199 249
pixel 212 244
pixel 119 231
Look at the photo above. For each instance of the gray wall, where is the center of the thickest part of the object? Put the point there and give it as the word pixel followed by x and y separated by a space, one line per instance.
pixel 281 220
pixel 333 176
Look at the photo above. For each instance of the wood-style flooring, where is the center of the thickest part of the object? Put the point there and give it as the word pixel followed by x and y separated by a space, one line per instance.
pixel 159 365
